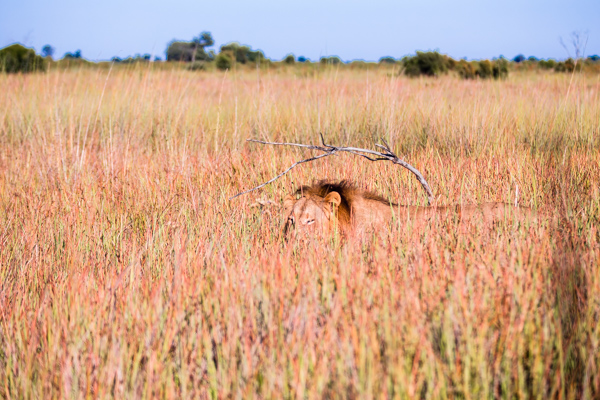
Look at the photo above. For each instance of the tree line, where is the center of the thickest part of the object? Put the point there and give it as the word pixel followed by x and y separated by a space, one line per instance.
pixel 197 54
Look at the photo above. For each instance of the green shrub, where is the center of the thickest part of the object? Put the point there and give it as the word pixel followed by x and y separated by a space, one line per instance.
pixel 466 70
pixel 387 60
pixel 568 65
pixel 195 50
pixel 500 68
pixel 223 61
pixel 547 64
pixel 289 59
pixel 180 51
pixel 18 58
pixel 450 62
pixel 243 54
pixel 485 69
pixel 425 63
pixel 73 56
pixel 333 60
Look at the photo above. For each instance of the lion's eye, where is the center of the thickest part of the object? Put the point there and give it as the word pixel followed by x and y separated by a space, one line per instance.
pixel 310 221
pixel 291 220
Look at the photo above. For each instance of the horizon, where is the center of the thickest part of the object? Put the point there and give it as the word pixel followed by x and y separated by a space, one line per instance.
pixel 351 31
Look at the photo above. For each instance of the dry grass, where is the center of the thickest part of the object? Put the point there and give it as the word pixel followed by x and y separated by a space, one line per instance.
pixel 125 272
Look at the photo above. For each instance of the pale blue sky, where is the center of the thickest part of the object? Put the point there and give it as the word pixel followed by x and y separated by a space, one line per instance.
pixel 313 28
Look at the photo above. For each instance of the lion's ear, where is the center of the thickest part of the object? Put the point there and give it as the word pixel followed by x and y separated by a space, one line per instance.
pixel 288 202
pixel 333 198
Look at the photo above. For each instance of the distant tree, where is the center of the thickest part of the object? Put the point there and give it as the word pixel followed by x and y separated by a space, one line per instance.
pixel 566 66
pixel 223 61
pixel 75 55
pixel 191 51
pixel 450 62
pixel 116 59
pixel 594 58
pixel 243 54
pixel 484 69
pixel 533 59
pixel 519 58
pixel 333 60
pixel 429 63
pixel 47 51
pixel 201 42
pixel 302 59
pixel 157 59
pixel 289 59
pixel 18 58
pixel 500 68
pixel 180 51
pixel 466 70
pixel 387 60
pixel 547 64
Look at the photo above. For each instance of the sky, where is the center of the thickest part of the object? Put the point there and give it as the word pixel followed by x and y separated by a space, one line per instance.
pixel 368 30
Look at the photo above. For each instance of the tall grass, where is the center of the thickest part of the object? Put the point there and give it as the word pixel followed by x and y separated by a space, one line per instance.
pixel 126 272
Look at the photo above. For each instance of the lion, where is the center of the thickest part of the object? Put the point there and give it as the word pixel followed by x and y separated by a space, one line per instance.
pixel 326 205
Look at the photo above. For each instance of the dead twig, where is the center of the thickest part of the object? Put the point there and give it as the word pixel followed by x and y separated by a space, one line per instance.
pixel 329 150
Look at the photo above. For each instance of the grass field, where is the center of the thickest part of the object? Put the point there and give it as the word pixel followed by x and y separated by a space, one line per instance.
pixel 125 271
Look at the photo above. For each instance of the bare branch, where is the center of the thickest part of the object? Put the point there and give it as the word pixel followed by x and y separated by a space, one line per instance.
pixel 367 157
pixel 283 173
pixel 322 139
pixel 329 150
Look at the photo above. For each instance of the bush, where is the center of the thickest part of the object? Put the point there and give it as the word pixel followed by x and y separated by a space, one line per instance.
pixel 359 64
pixel 466 70
pixel 47 51
pixel 547 64
pixel 180 51
pixel 450 62
pixel 289 59
pixel 333 60
pixel 18 58
pixel 243 54
pixel 73 56
pixel 223 61
pixel 484 69
pixel 425 63
pixel 500 68
pixel 186 52
pixel 387 60
pixel 567 66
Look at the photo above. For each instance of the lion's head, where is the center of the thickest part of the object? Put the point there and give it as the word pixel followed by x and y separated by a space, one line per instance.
pixel 317 209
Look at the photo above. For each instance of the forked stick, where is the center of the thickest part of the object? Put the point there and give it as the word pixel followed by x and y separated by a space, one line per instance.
pixel 329 150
